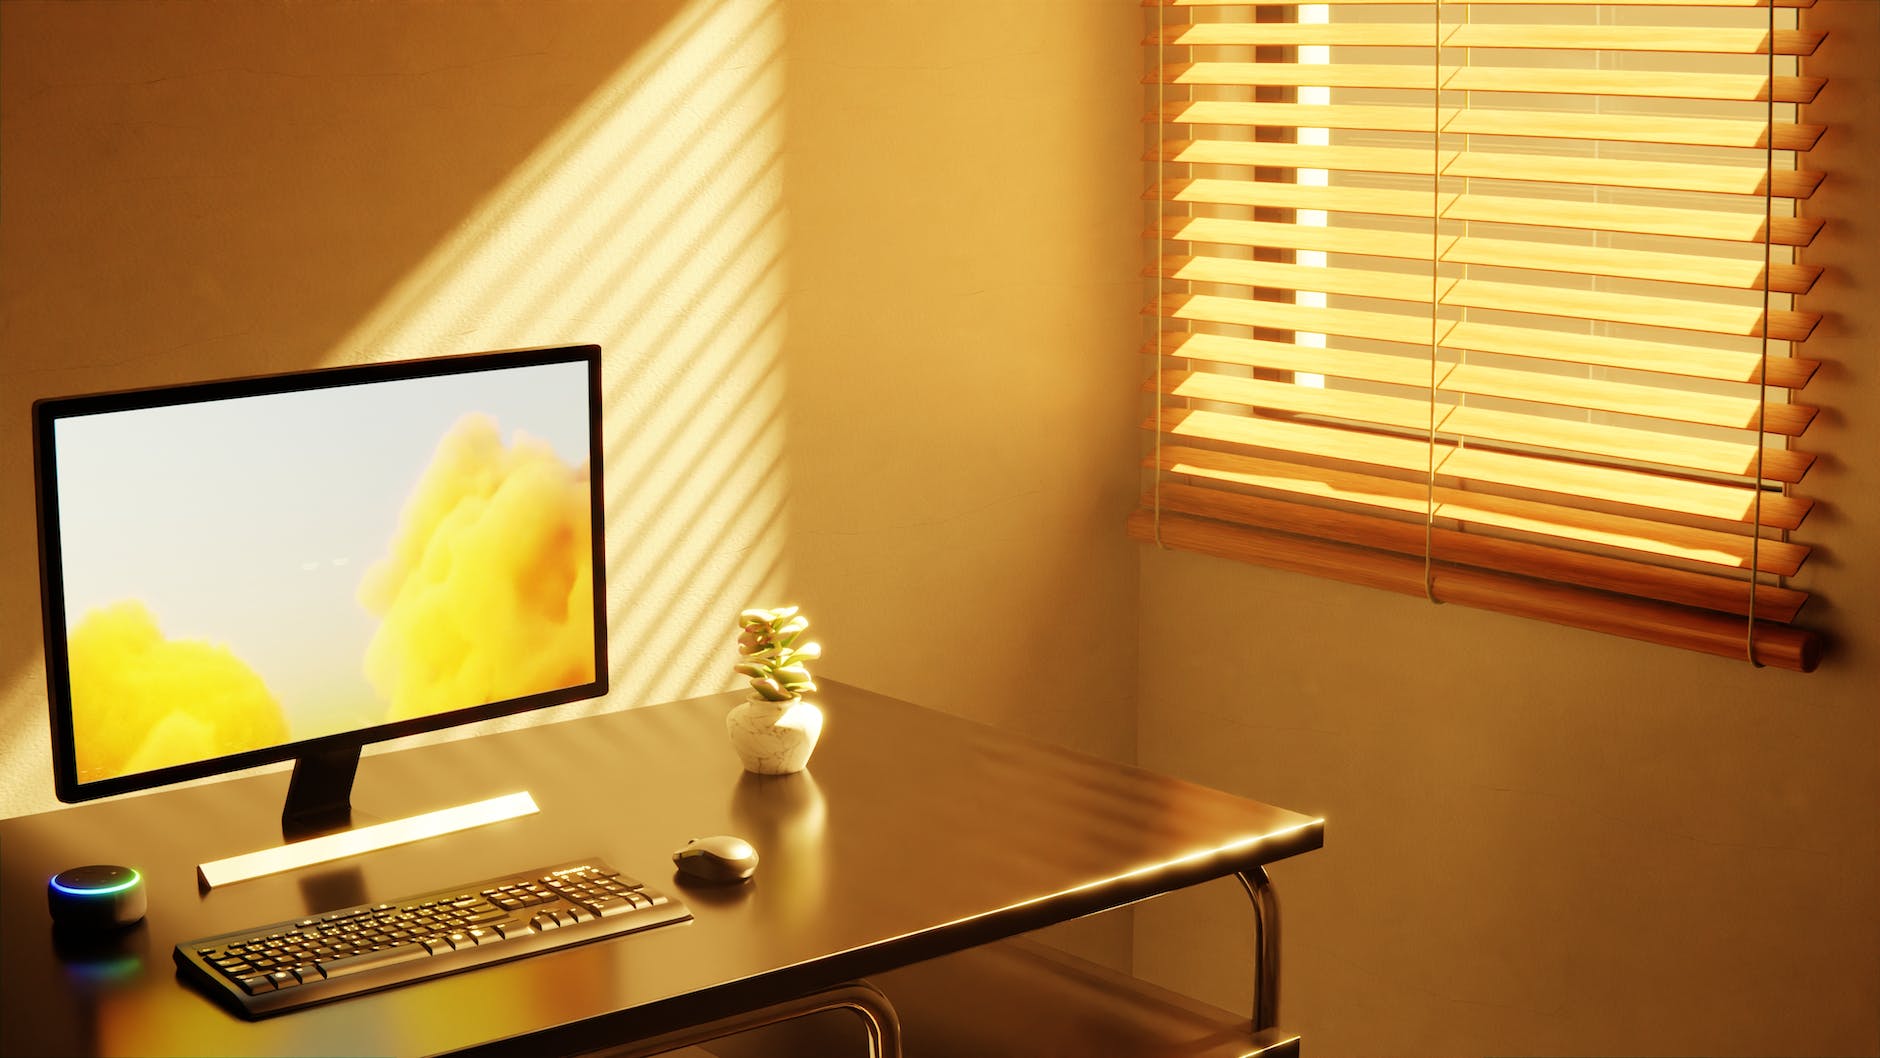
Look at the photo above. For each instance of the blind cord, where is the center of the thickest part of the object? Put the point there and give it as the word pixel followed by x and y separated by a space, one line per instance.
pixel 1436 202
pixel 1161 200
pixel 1762 368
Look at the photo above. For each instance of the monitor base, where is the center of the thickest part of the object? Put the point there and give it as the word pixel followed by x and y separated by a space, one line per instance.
pixel 292 856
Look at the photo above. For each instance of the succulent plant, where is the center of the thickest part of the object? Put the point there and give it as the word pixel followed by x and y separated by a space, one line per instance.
pixel 769 655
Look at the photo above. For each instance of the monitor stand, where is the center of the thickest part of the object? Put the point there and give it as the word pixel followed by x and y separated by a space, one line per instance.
pixel 319 794
pixel 317 822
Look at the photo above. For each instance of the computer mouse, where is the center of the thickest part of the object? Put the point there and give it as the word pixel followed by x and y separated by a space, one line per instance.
pixel 716 860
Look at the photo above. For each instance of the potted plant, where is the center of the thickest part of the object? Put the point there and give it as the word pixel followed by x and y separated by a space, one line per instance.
pixel 775 729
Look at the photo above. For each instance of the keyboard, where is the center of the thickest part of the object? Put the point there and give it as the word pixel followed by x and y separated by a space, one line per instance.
pixel 286 965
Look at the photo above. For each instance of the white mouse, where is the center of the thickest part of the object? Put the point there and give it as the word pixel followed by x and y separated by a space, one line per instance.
pixel 716 860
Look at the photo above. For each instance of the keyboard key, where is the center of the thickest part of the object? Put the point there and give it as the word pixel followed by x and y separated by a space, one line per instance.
pixel 372 960
pixel 610 905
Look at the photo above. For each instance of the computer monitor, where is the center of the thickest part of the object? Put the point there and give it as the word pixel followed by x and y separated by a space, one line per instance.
pixel 294 566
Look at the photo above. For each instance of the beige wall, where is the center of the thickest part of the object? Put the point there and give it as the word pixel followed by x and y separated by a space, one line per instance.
pixel 962 361
pixel 1544 841
pixel 850 360
pixel 965 224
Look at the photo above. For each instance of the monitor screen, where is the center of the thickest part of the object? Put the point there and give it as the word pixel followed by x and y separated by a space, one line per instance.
pixel 249 570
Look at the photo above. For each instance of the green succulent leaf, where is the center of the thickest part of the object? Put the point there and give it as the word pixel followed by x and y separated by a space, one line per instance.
pixel 771 690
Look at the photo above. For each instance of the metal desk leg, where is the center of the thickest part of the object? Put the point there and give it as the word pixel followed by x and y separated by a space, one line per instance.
pixel 1265 946
pixel 867 1001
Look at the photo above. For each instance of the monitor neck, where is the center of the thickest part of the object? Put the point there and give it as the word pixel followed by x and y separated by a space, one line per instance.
pixel 319 795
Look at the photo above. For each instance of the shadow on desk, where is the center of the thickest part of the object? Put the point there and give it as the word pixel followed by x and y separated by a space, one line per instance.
pixel 1019 999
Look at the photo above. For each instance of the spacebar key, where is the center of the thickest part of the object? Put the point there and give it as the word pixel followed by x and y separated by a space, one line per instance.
pixel 353 964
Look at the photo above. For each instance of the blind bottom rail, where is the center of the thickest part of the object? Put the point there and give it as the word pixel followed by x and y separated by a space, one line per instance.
pixel 1776 645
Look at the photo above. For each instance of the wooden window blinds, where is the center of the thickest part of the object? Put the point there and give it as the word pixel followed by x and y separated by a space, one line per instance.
pixel 1490 301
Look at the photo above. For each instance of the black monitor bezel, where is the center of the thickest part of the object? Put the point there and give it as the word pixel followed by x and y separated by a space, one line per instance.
pixel 50 410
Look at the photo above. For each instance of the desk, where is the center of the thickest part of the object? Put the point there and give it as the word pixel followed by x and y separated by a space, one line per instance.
pixel 912 835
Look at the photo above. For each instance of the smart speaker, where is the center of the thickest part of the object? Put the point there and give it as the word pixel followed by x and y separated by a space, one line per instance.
pixel 97 897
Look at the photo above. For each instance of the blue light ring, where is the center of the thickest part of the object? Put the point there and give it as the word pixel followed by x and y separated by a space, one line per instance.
pixel 105 891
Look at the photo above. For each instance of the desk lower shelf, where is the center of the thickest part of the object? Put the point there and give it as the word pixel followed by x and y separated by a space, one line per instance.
pixel 1021 999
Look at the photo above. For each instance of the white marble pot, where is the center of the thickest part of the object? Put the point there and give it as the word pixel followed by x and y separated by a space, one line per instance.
pixel 774 738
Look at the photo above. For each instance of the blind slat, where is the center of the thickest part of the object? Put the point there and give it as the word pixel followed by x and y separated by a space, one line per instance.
pixel 1687 39
pixel 1772 644
pixel 1601 530
pixel 1491 3
pixel 1568 391
pixel 1742 179
pixel 1697 269
pixel 1488 121
pixel 1632 353
pixel 1350 323
pixel 1400 286
pixel 1601 395
pixel 1598 394
pixel 1657 85
pixel 1561 213
pixel 1605 572
pixel 1641 309
pixel 1403 245
pixel 1631 488
pixel 1636 128
pixel 1717 41
pixel 1627 173
pixel 1735 458
pixel 1539 343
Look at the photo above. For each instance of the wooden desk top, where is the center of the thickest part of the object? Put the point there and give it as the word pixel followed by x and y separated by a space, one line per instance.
pixel 912 834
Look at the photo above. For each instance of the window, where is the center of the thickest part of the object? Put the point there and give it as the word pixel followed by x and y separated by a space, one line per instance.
pixel 1493 301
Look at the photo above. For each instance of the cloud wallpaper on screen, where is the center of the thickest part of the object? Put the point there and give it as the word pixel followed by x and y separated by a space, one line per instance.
pixel 148 702
pixel 488 593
